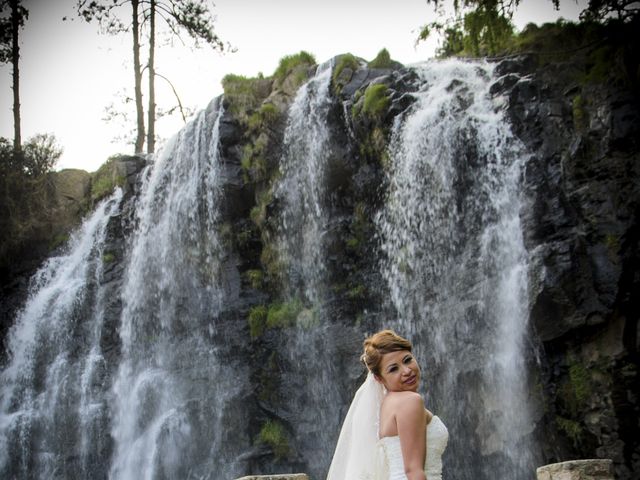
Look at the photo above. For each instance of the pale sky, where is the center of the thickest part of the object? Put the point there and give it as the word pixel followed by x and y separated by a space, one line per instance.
pixel 70 73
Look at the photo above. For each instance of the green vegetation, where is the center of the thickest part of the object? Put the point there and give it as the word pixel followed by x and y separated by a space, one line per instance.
pixel 108 257
pixel 382 60
pixel 243 94
pixel 374 145
pixel 290 63
pixel 580 119
pixel 283 314
pixel 253 161
pixel 244 233
pixel 106 179
pixel 273 434
pixel 258 213
pixel 346 61
pixel 575 391
pixel 360 225
pixel 265 117
pixel 572 429
pixel 605 39
pixel 580 383
pixel 255 277
pixel 484 29
pixel 257 321
pixel 270 259
pixel 376 101
pixel 27 199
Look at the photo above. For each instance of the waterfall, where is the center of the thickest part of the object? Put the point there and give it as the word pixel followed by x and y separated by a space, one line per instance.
pixel 47 397
pixel 133 357
pixel 302 186
pixel 455 264
pixel 146 396
pixel 302 226
pixel 170 391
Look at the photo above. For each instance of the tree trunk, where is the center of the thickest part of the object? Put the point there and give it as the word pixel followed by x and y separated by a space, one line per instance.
pixel 151 133
pixel 137 71
pixel 15 57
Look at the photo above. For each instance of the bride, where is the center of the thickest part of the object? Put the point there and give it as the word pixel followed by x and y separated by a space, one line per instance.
pixel 387 433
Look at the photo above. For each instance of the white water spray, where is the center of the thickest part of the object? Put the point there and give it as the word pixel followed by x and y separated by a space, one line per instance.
pixel 455 262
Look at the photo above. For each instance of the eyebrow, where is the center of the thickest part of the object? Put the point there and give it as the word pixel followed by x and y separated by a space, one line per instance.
pixel 396 363
pixel 390 365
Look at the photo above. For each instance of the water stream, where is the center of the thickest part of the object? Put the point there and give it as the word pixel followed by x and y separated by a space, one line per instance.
pixel 456 266
pixel 48 402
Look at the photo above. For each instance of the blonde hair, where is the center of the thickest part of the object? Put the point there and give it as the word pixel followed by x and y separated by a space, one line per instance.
pixel 375 346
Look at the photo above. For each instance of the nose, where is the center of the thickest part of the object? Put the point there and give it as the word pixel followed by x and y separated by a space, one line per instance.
pixel 406 370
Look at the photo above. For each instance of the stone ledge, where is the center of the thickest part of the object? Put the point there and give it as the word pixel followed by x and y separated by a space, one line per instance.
pixel 284 476
pixel 592 469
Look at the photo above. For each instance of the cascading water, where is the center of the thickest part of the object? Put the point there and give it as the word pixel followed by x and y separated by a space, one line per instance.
pixel 169 394
pixel 154 405
pixel 302 186
pixel 302 231
pixel 50 407
pixel 456 266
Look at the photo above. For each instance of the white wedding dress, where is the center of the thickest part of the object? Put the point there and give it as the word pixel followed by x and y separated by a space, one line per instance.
pixel 391 454
pixel 361 455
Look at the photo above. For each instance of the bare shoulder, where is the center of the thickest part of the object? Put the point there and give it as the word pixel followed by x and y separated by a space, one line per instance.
pixel 411 401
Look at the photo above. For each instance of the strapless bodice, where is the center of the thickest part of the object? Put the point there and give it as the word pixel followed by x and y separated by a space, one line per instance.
pixel 437 438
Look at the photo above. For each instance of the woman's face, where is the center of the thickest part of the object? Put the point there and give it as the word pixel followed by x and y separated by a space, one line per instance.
pixel 399 371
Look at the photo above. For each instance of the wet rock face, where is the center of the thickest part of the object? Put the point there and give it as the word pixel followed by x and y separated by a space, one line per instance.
pixel 581 230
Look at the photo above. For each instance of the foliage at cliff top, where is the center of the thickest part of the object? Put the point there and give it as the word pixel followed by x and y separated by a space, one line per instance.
pixel 347 60
pixel 244 93
pixel 382 60
pixel 106 179
pixel 247 93
pixel 289 63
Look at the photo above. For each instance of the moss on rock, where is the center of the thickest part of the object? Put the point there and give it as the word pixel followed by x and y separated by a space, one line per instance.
pixel 376 101
pixel 273 434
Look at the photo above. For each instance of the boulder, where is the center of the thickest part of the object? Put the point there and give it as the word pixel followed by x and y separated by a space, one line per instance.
pixel 596 469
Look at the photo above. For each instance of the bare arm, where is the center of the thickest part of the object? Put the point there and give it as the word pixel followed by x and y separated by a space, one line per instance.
pixel 410 418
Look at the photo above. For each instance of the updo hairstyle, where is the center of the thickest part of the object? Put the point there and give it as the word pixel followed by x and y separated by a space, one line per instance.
pixel 375 346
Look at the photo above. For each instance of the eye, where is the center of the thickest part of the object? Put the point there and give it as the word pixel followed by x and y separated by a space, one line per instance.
pixel 408 359
pixel 392 369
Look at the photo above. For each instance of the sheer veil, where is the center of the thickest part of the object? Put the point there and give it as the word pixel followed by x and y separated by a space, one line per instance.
pixel 356 456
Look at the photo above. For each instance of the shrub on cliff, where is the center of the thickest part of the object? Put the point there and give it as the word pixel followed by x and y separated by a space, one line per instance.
pixel 26 199
pixel 106 179
pixel 289 63
pixel 376 101
pixel 382 60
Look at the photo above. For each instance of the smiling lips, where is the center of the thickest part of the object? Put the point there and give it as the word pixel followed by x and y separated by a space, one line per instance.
pixel 410 381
